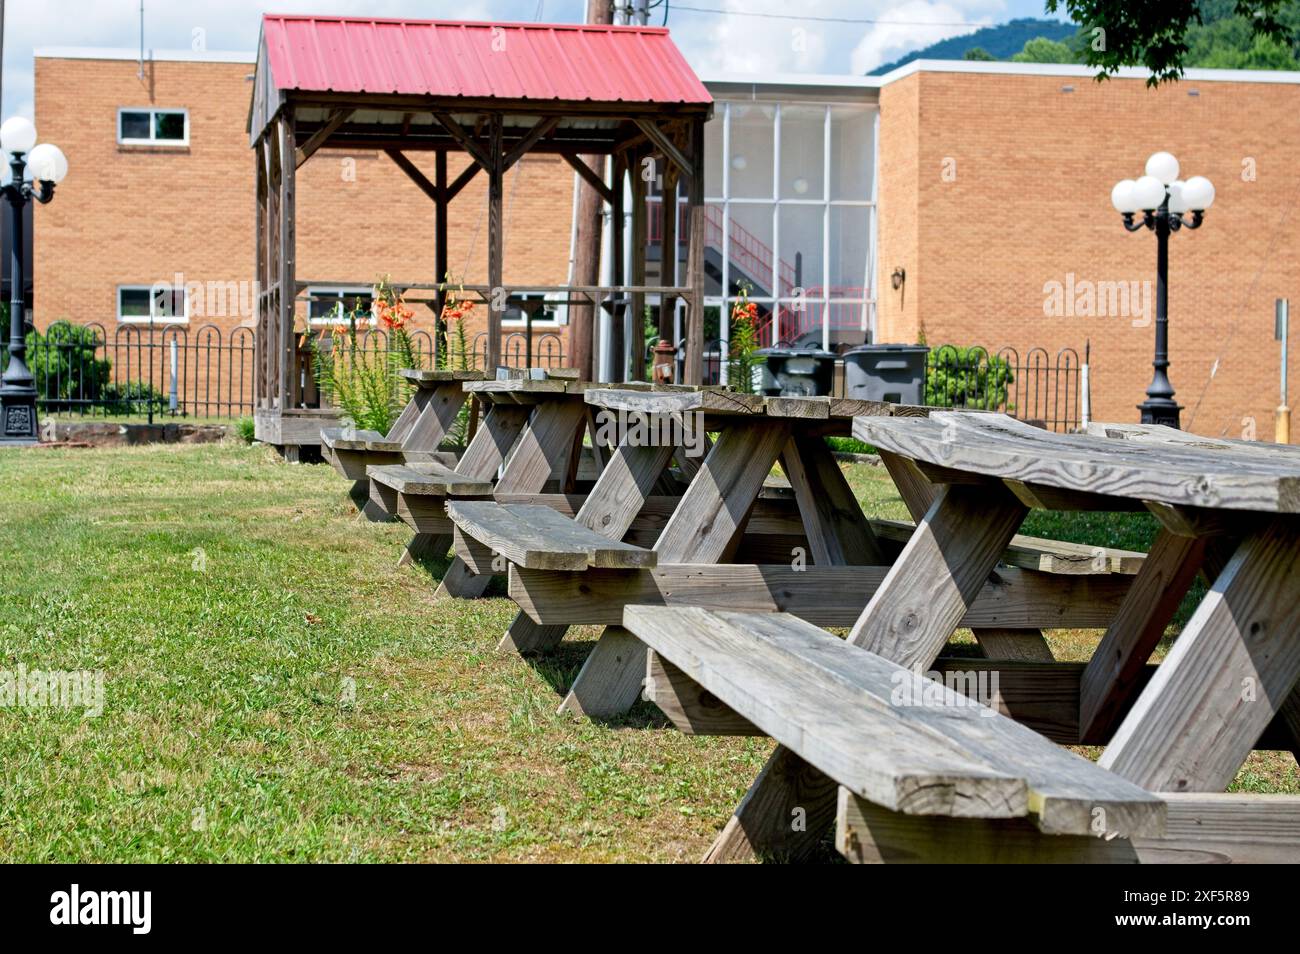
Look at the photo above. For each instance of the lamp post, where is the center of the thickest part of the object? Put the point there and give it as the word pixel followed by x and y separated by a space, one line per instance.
pixel 48 165
pixel 1164 201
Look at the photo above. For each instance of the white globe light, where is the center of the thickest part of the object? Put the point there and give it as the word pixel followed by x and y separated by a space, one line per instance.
pixel 801 186
pixel 48 163
pixel 17 134
pixel 1163 166
pixel 1198 193
pixel 1176 201
pixel 1148 192
pixel 1122 196
pixel 739 162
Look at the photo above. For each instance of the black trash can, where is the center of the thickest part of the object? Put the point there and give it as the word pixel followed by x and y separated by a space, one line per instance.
pixel 796 372
pixel 886 372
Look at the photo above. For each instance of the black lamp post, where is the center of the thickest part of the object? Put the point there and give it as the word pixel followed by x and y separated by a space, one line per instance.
pixel 17 386
pixel 1165 202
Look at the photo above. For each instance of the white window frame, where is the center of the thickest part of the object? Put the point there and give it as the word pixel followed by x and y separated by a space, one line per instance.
pixel 152 319
pixel 152 141
pixel 325 321
pixel 560 309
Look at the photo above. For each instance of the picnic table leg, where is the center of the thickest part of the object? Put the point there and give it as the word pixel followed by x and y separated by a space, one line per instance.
pixel 709 516
pixel 438 417
pixel 487 450
pixel 1109 680
pixel 909 619
pixel 1028 645
pixel 609 509
pixel 424 544
pixel 1225 678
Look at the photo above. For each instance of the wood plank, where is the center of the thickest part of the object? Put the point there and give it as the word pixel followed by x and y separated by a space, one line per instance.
pixel 536 537
pixel 996 446
pixel 1108 682
pixel 544 448
pixel 428 479
pixel 838 532
pixel 826 596
pixel 425 545
pixel 1025 645
pixel 692 709
pixel 840 709
pixel 1200 829
pixel 438 418
pixel 1225 678
pixel 665 401
pixel 701 530
pixel 493 440
pixel 908 620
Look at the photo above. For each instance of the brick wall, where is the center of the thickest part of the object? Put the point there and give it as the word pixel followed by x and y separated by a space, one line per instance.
pixel 1028 202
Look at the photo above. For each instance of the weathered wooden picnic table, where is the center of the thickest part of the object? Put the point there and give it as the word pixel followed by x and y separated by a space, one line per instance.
pixel 415 436
pixel 530 442
pixel 938 783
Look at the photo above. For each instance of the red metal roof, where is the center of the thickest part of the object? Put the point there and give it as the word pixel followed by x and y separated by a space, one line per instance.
pixel 518 61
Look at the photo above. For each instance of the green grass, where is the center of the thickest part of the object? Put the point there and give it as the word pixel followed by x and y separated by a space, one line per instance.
pixel 232 600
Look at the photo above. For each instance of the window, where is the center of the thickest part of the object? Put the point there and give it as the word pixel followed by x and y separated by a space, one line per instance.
pixel 159 303
pixel 548 309
pixel 327 305
pixel 153 127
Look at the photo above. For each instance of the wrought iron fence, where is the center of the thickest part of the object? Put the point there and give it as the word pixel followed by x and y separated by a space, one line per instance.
pixel 150 370
pixel 1037 387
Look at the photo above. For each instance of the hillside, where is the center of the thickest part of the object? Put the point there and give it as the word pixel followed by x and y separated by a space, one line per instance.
pixel 1001 41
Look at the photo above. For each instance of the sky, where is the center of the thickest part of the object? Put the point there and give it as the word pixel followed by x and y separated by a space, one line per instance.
pixel 741 36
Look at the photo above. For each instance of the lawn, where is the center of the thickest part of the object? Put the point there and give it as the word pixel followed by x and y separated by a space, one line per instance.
pixel 275 689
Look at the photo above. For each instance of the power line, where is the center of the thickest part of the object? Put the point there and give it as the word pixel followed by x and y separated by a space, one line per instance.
pixel 862 20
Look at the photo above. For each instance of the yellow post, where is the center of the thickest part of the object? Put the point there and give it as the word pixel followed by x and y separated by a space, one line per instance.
pixel 1282 428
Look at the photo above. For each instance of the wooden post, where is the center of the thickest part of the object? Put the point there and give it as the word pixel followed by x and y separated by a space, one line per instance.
pixel 496 222
pixel 288 239
pixel 695 260
pixel 638 270
pixel 668 255
pixel 440 253
pixel 263 283
pixel 617 339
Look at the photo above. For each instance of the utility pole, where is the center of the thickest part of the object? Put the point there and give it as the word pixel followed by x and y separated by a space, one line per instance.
pixel 640 12
pixel 586 253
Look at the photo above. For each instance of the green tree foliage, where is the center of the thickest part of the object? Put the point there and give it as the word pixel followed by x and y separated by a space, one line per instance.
pixel 978 53
pixel 1166 36
pixel 969 378
pixel 1042 50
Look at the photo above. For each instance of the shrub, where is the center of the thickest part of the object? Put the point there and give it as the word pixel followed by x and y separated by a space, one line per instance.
pixel 132 397
pixel 969 378
pixel 246 429
pixel 64 364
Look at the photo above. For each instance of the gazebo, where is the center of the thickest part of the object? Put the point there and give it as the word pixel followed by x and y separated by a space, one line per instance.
pixel 495 91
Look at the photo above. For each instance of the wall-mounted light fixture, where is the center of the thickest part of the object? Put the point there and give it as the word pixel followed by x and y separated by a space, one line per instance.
pixel 897 277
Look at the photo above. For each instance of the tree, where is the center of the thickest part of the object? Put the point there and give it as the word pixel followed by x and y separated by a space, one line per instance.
pixel 1042 50
pixel 1155 33
pixel 978 53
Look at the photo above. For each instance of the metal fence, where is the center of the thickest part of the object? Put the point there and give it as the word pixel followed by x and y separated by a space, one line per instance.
pixel 149 370
pixel 175 371
pixel 1037 386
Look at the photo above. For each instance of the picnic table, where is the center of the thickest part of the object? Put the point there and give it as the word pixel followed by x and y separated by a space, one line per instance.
pixel 415 436
pixel 529 442
pixel 732 541
pixel 954 781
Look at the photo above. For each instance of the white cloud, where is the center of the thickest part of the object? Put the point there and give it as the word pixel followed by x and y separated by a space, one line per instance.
pixel 903 31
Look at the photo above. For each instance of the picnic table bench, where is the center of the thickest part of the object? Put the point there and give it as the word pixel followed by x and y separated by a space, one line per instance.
pixel 1176 736
pixel 415 436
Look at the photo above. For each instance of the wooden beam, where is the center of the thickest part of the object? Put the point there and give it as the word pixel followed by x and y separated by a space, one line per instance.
pixel 694 370
pixel 288 253
pixel 665 145
pixel 318 138
pixel 496 226
pixel 483 156
pixel 1228 673
pixel 415 175
pixel 541 128
pixel 462 180
pixel 590 177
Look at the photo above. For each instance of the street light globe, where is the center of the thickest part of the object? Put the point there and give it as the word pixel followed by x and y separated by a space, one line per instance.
pixel 1162 166
pixel 1149 192
pixel 48 163
pixel 17 134
pixel 1122 197
pixel 1177 202
pixel 1198 193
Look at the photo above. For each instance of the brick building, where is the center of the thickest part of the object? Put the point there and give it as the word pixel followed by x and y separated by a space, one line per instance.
pixel 980 189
